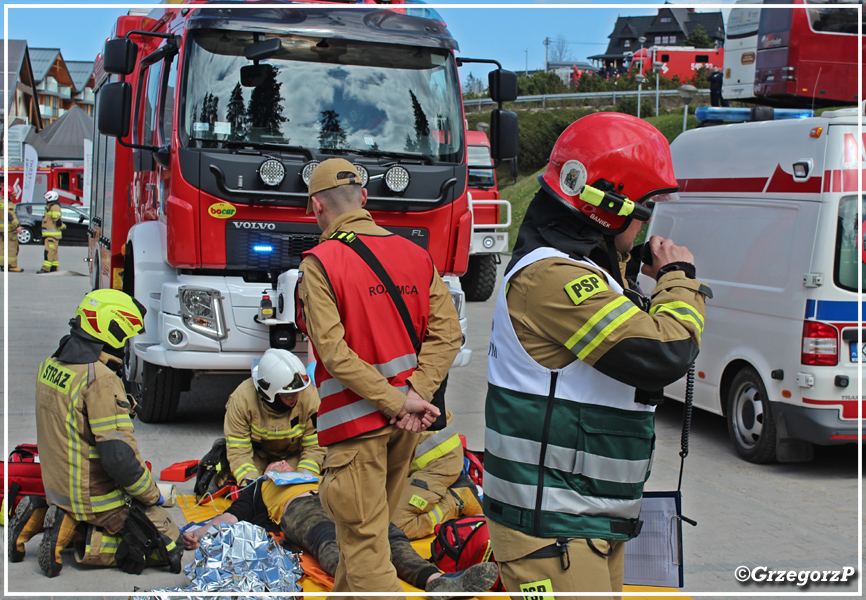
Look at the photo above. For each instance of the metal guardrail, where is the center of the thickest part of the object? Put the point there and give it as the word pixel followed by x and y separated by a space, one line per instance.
pixel 543 98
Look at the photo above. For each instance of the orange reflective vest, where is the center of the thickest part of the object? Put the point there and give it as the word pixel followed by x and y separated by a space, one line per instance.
pixel 373 327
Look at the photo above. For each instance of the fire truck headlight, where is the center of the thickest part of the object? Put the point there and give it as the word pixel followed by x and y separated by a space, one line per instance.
pixel 457 296
pixel 202 311
pixel 488 242
pixel 272 172
pixel 307 172
pixel 362 171
pixel 397 179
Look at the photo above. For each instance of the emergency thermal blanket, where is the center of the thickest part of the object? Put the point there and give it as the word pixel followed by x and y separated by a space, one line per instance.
pixel 238 558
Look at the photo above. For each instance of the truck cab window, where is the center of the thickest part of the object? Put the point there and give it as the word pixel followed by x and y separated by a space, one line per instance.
pixel 168 96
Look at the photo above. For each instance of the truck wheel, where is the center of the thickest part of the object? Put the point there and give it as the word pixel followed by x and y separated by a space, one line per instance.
pixel 480 278
pixel 25 236
pixel 750 418
pixel 160 392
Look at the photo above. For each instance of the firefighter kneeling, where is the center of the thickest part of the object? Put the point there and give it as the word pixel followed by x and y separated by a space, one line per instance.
pixel 102 497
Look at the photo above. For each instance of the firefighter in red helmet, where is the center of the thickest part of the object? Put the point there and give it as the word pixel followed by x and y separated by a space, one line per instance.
pixel 579 357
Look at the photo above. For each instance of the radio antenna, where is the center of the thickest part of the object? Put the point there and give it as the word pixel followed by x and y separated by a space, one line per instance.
pixel 815 89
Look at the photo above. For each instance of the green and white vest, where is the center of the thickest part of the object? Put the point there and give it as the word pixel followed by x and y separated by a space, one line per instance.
pixel 567 451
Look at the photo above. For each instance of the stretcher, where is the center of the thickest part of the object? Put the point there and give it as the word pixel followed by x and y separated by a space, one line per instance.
pixel 316 580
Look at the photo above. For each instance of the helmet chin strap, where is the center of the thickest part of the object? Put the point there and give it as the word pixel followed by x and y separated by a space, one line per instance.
pixel 613 257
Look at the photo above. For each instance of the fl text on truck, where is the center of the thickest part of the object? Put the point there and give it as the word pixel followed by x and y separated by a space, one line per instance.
pixel 210 120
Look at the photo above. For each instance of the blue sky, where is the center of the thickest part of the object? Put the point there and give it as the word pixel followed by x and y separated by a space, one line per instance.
pixel 513 34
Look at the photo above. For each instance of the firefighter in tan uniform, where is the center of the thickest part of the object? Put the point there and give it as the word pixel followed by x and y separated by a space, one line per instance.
pixel 91 467
pixel 578 359
pixel 52 231
pixel 374 385
pixel 271 417
pixel 10 239
pixel 436 490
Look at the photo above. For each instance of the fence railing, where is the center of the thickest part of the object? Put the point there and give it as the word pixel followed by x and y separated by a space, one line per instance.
pixel 543 98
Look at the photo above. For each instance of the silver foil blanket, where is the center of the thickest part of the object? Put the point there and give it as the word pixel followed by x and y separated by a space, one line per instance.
pixel 238 558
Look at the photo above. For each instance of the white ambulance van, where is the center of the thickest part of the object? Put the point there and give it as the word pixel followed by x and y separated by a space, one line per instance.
pixel 770 211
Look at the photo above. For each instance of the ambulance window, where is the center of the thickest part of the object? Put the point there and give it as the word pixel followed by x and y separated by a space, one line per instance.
pixel 849 231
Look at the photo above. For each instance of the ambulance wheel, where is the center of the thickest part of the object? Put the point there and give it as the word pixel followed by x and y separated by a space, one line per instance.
pixel 160 392
pixel 750 418
pixel 480 277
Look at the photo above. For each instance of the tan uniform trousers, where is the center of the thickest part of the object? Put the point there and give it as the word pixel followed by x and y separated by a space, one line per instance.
pixel 10 246
pixel 52 258
pixel 426 501
pixel 589 572
pixel 360 491
pixel 105 533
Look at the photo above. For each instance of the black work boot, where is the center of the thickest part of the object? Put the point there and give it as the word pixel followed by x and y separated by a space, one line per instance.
pixel 26 522
pixel 60 531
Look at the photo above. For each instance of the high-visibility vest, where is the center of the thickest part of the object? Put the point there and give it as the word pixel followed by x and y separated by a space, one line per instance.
pixel 575 431
pixel 373 327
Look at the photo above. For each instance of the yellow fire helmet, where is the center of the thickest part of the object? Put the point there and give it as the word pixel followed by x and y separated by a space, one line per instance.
pixel 111 316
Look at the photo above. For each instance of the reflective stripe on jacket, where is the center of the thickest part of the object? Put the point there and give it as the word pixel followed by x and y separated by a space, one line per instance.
pixel 52 221
pixel 373 327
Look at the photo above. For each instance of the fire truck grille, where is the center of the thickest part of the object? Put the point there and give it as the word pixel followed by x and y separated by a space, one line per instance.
pixel 271 247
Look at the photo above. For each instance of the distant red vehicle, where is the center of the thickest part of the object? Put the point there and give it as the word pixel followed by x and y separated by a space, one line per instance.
pixel 682 61
pixel 68 182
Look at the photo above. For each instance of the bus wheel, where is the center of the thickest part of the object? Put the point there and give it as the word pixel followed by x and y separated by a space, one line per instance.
pixel 480 278
pixel 750 418
pixel 160 392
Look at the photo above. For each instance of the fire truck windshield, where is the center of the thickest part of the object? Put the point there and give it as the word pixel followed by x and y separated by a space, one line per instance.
pixel 323 94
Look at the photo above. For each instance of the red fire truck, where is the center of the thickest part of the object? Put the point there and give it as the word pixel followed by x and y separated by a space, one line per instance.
pixel 681 61
pixel 210 121
pixel 489 221
pixel 67 180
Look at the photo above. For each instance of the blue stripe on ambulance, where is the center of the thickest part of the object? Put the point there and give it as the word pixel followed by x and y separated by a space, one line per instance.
pixel 837 311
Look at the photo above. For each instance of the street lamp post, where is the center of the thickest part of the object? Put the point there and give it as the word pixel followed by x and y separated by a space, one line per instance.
pixel 687 93
pixel 526 71
pixel 640 78
pixel 657 66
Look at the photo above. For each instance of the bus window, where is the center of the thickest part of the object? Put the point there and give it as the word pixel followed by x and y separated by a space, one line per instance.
pixel 833 19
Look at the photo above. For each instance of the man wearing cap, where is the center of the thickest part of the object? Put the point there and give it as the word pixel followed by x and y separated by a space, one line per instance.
pixel 375 384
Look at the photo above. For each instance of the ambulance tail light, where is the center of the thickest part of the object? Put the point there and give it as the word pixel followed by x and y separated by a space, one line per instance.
pixel 820 344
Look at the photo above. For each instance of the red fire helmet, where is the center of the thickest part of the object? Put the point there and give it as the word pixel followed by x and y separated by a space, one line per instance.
pixel 613 152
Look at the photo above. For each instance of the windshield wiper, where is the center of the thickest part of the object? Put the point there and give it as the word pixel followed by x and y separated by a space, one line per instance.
pixel 267 146
pixel 427 158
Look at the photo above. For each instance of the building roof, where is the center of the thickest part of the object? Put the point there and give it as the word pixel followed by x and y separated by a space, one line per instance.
pixel 64 138
pixel 682 22
pixel 14 62
pixel 80 71
pixel 43 59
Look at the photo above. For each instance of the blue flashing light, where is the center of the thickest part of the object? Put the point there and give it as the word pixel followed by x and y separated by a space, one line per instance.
pixel 759 113
pixel 263 248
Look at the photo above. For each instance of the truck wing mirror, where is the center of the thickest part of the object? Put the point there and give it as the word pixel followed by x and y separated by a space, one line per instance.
pixel 119 56
pixel 115 109
pixel 503 134
pixel 502 85
pixel 262 50
pixel 254 75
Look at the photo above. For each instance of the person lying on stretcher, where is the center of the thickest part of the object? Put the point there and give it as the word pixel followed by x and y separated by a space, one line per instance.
pixel 297 512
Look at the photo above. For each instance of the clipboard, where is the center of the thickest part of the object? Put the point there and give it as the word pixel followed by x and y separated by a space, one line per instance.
pixel 655 556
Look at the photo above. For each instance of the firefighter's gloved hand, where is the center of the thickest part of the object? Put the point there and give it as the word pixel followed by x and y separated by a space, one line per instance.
pixel 161 500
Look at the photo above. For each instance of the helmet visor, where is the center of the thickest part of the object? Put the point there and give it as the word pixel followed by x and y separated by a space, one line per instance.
pixel 669 195
pixel 298 383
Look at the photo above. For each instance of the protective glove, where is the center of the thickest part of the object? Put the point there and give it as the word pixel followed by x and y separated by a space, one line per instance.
pixel 161 500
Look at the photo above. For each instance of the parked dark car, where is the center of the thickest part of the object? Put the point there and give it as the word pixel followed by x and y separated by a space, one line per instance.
pixel 30 217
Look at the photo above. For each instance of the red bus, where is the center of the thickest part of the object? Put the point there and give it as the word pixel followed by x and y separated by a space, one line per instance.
pixel 808 55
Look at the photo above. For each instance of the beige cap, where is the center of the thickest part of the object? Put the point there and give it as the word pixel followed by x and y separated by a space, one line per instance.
pixel 324 177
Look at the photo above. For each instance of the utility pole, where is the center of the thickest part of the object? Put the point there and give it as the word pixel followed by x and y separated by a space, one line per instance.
pixel 526 71
pixel 546 45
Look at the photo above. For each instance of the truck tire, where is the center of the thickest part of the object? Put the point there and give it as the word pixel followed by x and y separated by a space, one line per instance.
pixel 751 426
pixel 160 392
pixel 480 278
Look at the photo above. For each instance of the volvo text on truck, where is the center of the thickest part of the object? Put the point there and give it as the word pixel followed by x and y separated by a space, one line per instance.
pixel 210 120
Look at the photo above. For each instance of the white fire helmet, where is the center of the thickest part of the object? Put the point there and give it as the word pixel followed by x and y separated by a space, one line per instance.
pixel 279 372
